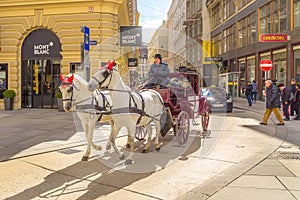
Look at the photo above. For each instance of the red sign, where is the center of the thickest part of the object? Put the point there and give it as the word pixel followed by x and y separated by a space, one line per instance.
pixel 273 37
pixel 265 65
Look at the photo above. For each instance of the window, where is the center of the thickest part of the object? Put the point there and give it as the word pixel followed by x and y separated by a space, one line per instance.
pixel 251 69
pixel 226 40
pixel 199 5
pixel 3 79
pixel 232 37
pixel 273 17
pixel 296 13
pixel 216 15
pixel 247 30
pixel 216 45
pixel 242 37
pixel 226 9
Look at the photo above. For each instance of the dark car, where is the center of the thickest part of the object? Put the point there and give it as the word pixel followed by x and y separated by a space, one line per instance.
pixel 218 99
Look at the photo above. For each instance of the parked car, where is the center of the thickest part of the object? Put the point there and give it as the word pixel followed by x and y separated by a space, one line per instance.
pixel 218 99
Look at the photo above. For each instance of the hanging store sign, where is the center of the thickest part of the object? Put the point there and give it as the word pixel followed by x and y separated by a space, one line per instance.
pixel 130 36
pixel 132 62
pixel 273 37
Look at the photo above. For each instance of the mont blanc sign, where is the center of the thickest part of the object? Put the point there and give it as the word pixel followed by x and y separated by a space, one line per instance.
pixel 130 36
pixel 42 49
pixel 41 44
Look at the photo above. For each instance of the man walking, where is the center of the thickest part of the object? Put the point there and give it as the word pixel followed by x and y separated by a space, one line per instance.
pixel 272 103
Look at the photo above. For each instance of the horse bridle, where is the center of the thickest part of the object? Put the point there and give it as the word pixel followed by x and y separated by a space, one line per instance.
pixel 69 90
pixel 105 75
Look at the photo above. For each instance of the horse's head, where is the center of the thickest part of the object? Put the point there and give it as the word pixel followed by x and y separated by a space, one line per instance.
pixel 102 78
pixel 66 89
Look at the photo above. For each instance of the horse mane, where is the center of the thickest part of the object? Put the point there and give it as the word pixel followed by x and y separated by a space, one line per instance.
pixel 81 80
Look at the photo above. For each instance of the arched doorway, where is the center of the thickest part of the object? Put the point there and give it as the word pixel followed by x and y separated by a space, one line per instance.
pixel 40 69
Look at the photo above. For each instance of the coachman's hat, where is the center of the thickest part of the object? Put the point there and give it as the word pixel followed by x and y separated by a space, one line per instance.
pixel 158 56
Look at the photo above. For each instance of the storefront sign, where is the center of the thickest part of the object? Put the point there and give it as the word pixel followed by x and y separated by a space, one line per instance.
pixel 273 37
pixel 132 62
pixel 130 36
pixel 41 44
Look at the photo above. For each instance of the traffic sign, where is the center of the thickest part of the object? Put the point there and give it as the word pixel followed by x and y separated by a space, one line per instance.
pixel 265 65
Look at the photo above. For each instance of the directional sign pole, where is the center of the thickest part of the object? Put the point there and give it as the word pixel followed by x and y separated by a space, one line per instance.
pixel 86 52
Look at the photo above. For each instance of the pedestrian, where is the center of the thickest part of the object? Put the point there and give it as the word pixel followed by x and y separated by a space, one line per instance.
pixel 296 100
pixel 254 90
pixel 285 98
pixel 292 96
pixel 272 103
pixel 248 93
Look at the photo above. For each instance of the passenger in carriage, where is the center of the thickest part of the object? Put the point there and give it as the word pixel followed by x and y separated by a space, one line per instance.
pixel 158 73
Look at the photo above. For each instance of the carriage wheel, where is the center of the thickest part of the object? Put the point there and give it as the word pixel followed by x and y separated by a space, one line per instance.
pixel 182 127
pixel 205 116
pixel 205 121
pixel 140 133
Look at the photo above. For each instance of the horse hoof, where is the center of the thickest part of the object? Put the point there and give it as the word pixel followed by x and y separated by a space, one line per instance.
pixel 122 157
pixel 98 148
pixel 128 162
pixel 157 149
pixel 85 158
pixel 108 147
pixel 127 146
pixel 145 151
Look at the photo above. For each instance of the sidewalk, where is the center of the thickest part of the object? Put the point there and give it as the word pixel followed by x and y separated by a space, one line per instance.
pixel 275 177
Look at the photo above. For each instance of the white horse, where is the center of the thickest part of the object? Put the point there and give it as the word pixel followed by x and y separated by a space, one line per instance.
pixel 130 108
pixel 90 108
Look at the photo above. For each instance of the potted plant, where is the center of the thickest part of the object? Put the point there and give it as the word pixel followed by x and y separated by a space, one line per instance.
pixel 9 96
pixel 60 106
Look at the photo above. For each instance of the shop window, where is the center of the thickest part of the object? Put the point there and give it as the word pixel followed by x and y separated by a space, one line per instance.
pixel 280 67
pixel 297 65
pixel 3 79
pixel 251 69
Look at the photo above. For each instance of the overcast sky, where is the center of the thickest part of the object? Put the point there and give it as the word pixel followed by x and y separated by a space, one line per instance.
pixel 152 14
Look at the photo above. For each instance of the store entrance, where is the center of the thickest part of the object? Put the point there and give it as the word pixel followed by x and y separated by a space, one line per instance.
pixel 41 62
pixel 40 81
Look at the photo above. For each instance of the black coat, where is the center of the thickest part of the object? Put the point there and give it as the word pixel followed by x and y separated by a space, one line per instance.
pixel 248 90
pixel 285 95
pixel 273 97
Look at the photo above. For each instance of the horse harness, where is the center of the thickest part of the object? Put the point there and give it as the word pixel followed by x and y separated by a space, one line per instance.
pixel 130 108
pixel 105 109
pixel 133 107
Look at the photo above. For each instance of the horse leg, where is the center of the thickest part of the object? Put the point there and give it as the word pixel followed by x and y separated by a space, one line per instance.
pixel 156 142
pixel 131 143
pixel 111 135
pixel 86 155
pixel 114 133
pixel 91 130
pixel 128 143
pixel 148 144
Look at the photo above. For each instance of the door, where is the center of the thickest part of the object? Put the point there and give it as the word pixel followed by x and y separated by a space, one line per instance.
pixel 40 80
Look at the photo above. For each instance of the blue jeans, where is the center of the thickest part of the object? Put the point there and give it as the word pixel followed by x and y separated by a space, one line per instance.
pixel 249 99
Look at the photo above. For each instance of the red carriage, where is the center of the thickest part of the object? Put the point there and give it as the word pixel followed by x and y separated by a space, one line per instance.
pixel 183 103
